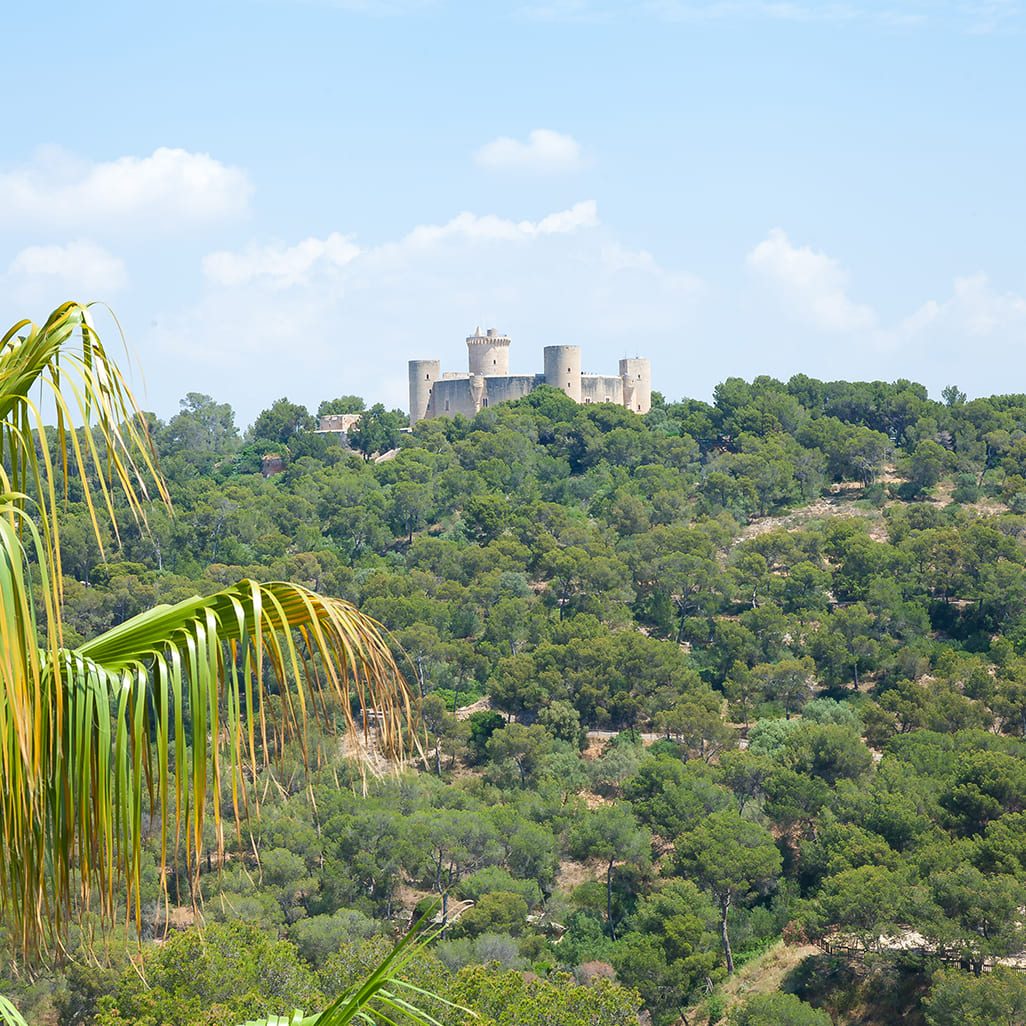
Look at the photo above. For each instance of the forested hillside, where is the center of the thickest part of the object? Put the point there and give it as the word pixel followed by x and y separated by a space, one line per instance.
pixel 693 684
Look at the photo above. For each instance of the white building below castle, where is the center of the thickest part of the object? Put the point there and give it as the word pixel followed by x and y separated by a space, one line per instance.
pixel 488 380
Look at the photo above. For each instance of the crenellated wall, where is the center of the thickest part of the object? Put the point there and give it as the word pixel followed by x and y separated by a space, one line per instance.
pixel 488 354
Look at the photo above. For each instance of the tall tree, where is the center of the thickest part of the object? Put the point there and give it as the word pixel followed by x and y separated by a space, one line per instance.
pixel 610 833
pixel 733 859
pixel 378 431
pixel 281 421
pixel 202 426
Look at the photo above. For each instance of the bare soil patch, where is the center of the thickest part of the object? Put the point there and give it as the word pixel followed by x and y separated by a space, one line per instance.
pixel 841 502
pixel 572 874
pixel 481 705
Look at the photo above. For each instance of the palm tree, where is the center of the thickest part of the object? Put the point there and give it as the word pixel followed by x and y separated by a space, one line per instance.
pixel 149 716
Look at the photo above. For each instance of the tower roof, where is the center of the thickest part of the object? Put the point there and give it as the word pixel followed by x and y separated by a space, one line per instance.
pixel 491 337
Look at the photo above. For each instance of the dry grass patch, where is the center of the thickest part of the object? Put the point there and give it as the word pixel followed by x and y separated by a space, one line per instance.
pixel 763 975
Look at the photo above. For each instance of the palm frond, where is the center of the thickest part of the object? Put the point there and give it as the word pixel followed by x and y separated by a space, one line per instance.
pixel 9 1015
pixel 166 706
pixel 65 362
pixel 162 708
pixel 381 998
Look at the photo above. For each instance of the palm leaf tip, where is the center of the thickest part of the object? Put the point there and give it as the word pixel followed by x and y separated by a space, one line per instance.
pixel 378 1000
pixel 9 1014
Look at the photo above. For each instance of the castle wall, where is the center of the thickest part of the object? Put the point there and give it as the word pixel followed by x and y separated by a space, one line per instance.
pixel 470 393
pixel 600 388
pixel 563 370
pixel 488 355
pixel 514 386
pixel 637 384
pixel 423 375
pixel 337 423
pixel 452 396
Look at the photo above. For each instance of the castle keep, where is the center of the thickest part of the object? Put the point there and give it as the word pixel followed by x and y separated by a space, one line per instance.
pixel 488 380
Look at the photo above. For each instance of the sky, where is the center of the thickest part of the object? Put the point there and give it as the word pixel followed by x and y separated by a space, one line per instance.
pixel 296 197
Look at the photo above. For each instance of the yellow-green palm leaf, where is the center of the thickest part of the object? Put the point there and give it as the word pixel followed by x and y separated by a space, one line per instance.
pixel 62 369
pixel 382 999
pixel 152 714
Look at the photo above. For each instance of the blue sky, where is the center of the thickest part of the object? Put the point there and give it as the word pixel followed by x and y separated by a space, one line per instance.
pixel 295 197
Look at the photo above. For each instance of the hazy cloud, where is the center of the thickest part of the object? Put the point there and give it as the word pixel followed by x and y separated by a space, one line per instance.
pixel 371 8
pixel 711 10
pixel 168 190
pixel 281 265
pixel 284 266
pixel 545 152
pixel 574 11
pixel 809 285
pixel 974 308
pixel 83 268
pixel 974 16
pixel 617 259
pixel 491 228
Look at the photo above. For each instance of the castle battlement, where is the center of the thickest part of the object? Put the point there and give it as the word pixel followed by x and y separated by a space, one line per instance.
pixel 488 380
pixel 490 337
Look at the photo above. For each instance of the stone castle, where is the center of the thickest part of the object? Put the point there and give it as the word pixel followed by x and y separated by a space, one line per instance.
pixel 488 380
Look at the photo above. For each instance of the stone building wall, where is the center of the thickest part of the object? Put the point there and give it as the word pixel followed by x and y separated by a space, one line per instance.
pixel 597 388
pixel 637 384
pixel 337 423
pixel 469 394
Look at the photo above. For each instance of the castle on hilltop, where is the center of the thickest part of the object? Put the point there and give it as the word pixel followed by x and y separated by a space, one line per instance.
pixel 488 380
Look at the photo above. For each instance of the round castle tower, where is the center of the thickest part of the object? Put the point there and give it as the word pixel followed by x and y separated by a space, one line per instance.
pixel 637 384
pixel 423 375
pixel 488 355
pixel 563 369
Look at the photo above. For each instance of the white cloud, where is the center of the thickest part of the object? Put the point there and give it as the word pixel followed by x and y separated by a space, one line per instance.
pixel 972 337
pixel 975 308
pixel 809 285
pixel 616 259
pixel 545 152
pixel 491 228
pixel 282 265
pixel 580 215
pixel 168 190
pixel 81 267
pixel 981 309
pixel 922 318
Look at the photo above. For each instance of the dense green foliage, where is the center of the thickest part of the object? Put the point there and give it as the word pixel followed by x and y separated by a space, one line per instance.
pixel 834 573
